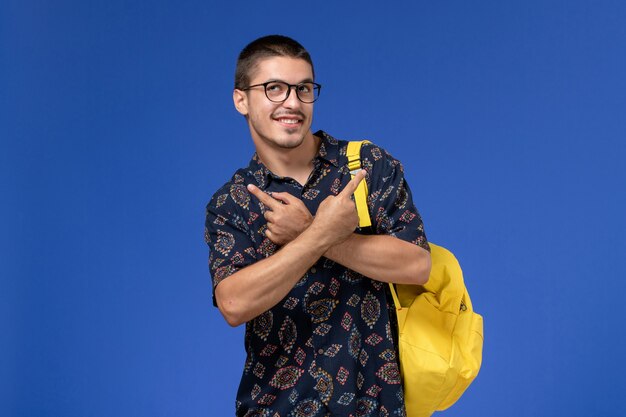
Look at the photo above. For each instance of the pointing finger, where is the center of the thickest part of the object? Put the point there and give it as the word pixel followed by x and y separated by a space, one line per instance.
pixel 353 184
pixel 264 197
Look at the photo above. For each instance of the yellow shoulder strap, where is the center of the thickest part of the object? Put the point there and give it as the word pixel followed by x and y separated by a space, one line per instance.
pixel 360 194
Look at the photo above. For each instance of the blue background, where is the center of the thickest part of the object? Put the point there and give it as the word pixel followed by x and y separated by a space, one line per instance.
pixel 117 125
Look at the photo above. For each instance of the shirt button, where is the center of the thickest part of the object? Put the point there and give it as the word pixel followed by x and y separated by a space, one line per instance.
pixel 313 270
pixel 321 351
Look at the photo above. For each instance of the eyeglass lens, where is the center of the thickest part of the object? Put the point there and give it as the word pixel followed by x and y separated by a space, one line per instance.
pixel 278 91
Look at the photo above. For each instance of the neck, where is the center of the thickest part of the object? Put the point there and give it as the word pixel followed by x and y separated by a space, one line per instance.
pixel 296 163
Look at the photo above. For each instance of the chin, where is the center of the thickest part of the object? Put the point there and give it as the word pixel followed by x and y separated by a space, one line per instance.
pixel 290 138
pixel 290 143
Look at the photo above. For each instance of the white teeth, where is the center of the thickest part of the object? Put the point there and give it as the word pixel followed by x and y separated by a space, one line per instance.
pixel 289 121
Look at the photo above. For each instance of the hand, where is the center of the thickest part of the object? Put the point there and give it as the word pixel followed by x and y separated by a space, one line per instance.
pixel 287 216
pixel 337 218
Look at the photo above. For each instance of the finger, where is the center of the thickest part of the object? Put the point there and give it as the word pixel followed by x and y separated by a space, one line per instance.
pixel 263 197
pixel 275 239
pixel 269 216
pixel 352 185
pixel 284 197
pixel 271 232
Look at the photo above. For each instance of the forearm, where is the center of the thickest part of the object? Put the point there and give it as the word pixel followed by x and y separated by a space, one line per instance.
pixel 260 286
pixel 383 258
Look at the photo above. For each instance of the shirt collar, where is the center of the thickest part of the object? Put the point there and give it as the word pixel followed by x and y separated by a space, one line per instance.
pixel 329 152
pixel 329 148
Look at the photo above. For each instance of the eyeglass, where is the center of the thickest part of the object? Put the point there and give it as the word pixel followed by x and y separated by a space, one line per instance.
pixel 278 91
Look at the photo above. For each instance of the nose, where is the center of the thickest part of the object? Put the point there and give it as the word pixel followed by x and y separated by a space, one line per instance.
pixel 292 99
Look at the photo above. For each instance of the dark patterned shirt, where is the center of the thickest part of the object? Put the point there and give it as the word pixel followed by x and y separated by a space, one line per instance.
pixel 328 347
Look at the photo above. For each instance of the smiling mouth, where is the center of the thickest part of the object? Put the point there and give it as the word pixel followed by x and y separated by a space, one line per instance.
pixel 289 121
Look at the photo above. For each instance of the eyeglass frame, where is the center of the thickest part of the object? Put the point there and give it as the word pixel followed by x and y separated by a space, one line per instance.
pixel 265 84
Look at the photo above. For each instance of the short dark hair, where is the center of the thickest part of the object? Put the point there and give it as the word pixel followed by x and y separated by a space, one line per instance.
pixel 267 46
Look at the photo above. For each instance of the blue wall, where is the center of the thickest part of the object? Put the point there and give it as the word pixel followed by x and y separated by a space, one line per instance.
pixel 117 125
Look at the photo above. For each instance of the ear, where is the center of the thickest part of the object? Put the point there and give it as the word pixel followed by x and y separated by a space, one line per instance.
pixel 240 99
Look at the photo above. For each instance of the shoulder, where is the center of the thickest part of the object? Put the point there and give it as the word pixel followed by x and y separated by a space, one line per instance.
pixel 233 191
pixel 374 151
pixel 232 208
pixel 370 151
pixel 374 156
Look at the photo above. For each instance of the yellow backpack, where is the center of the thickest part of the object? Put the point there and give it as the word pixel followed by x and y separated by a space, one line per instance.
pixel 440 336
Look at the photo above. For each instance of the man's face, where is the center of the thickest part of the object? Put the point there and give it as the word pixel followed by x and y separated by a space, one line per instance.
pixel 277 125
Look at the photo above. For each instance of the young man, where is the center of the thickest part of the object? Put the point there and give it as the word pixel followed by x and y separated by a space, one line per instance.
pixel 287 258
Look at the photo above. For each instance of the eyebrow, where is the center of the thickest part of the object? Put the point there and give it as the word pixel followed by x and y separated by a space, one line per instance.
pixel 306 80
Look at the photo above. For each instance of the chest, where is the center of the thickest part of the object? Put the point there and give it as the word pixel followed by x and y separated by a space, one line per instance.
pixel 325 180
